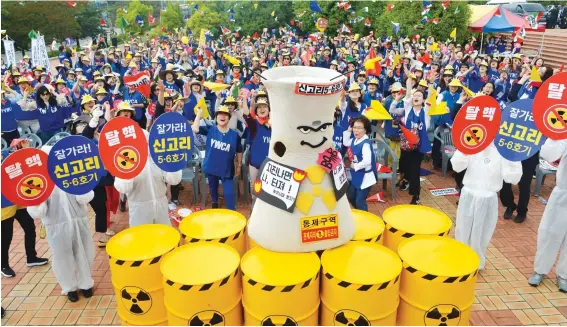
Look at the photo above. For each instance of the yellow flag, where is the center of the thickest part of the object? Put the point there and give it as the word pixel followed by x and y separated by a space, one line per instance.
pixel 202 38
pixel 396 60
pixel 273 13
pixel 453 33
pixel 377 111
pixel 369 64
pixel 203 106
pixel 216 87
pixel 438 109
pixel 534 76
pixel 434 47
pixel 232 60
pixel 468 92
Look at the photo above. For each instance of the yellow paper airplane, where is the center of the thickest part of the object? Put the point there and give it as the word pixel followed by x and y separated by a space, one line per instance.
pixel 369 64
pixel 202 105
pixel 468 92
pixel 432 98
pixel 453 33
pixel 232 60
pixel 438 109
pixel 534 76
pixel 273 13
pixel 377 111
pixel 356 36
pixel 216 87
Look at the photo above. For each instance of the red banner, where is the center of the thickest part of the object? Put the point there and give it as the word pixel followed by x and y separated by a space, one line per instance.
pixel 141 81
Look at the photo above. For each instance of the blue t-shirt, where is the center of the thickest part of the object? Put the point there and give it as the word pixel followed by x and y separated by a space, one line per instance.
pixel 9 122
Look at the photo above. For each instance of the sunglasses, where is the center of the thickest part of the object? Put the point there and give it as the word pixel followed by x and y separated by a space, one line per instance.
pixel 44 94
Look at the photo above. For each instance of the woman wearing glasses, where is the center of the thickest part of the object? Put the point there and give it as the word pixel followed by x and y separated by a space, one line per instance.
pixel 51 114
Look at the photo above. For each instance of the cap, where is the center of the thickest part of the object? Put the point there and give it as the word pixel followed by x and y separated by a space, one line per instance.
pixel 86 99
pixel 354 87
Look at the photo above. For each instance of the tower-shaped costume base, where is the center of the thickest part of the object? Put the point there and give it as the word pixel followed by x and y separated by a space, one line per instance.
pixel 301 206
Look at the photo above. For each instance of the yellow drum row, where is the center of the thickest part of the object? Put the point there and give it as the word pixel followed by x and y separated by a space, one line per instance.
pixel 362 283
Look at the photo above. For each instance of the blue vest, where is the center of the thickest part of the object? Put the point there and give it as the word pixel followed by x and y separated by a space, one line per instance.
pixel 135 98
pixel 338 138
pixel 52 117
pixel 391 128
pixel 358 176
pixel 20 114
pixel 220 152
pixel 260 145
pixel 351 114
pixel 9 122
pixel 418 122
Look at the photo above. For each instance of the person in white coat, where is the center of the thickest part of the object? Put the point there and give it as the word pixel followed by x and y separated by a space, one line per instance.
pixel 146 193
pixel 66 221
pixel 477 213
pixel 552 233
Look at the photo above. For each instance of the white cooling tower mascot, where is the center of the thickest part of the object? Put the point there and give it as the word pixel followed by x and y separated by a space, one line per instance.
pixel 301 205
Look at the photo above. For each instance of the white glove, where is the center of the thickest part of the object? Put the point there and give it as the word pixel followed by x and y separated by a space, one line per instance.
pixel 97 113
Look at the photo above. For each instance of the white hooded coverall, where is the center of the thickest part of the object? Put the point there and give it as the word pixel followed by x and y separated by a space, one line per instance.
pixel 147 200
pixel 65 219
pixel 552 232
pixel 477 213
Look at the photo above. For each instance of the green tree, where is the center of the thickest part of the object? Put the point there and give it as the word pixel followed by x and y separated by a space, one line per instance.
pixel 88 17
pixel 409 15
pixel 206 17
pixel 172 17
pixel 135 8
pixel 54 20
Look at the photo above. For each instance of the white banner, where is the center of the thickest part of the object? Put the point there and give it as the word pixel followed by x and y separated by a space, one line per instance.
pixel 44 57
pixel 39 52
pixel 10 53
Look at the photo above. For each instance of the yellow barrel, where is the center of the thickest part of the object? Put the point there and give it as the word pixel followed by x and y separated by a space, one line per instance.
pixel 360 285
pixel 405 221
pixel 280 289
pixel 251 243
pixel 218 225
pixel 369 227
pixel 203 285
pixel 438 282
pixel 134 255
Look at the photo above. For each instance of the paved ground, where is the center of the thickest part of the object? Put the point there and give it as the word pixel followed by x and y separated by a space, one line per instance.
pixel 503 296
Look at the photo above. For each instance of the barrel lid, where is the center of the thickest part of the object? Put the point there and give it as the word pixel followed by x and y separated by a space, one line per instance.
pixel 212 224
pixel 200 263
pixel 362 263
pixel 367 225
pixel 417 219
pixel 441 256
pixel 143 242
pixel 278 268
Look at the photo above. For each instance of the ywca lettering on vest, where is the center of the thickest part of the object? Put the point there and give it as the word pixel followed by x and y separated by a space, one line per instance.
pixel 220 145
pixel 6 110
pixel 266 139
pixel 131 101
pixel 418 126
pixel 43 111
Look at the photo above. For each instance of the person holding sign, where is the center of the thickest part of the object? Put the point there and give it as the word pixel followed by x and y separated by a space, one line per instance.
pixel 363 167
pixel 552 232
pixel 223 145
pixel 259 137
pixel 66 220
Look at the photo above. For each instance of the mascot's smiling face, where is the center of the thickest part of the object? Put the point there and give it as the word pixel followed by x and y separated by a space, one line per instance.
pixel 312 132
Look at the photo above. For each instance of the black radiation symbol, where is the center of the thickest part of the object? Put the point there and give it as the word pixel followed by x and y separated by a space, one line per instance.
pixel 126 159
pixel 136 300
pixel 473 136
pixel 278 320
pixel 557 118
pixel 350 318
pixel 31 187
pixel 443 315
pixel 207 318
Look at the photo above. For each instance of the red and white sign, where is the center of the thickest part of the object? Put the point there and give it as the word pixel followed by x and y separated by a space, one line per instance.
pixel 550 107
pixel 141 81
pixel 476 124
pixel 123 148
pixel 25 177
